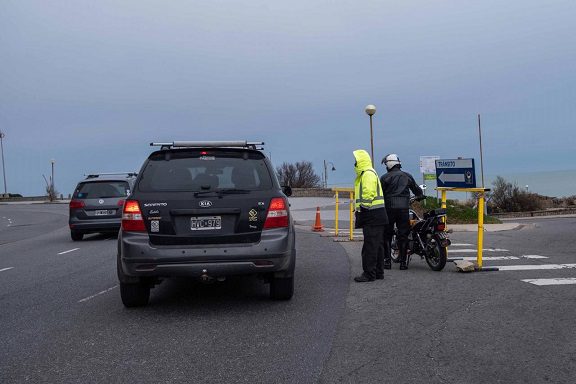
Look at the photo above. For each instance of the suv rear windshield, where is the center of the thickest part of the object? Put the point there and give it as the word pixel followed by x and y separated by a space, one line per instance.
pixel 102 189
pixel 205 171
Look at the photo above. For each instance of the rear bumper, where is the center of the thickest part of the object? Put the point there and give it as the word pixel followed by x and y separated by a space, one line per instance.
pixel 95 225
pixel 275 253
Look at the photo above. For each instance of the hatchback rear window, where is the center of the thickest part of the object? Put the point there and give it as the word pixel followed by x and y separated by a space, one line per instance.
pixel 102 190
pixel 205 171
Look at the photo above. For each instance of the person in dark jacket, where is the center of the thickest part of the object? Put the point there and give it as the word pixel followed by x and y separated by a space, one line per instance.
pixel 397 185
pixel 370 216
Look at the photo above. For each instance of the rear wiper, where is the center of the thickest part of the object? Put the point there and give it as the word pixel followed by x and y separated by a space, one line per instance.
pixel 196 193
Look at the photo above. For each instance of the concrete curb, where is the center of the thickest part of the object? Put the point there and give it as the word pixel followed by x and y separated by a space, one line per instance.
pixel 451 228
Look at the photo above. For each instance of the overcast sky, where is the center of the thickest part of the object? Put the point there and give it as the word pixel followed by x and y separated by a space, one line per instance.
pixel 91 83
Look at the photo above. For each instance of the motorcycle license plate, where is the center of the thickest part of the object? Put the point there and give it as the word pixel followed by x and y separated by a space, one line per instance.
pixel 205 223
pixel 444 240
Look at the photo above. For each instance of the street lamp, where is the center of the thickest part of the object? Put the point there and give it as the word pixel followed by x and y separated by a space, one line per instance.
pixel 3 168
pixel 370 111
pixel 326 172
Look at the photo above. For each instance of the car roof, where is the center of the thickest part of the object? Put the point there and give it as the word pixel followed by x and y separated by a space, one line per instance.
pixel 119 176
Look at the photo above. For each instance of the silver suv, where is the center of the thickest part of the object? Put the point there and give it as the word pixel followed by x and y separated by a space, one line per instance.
pixel 97 202
pixel 206 210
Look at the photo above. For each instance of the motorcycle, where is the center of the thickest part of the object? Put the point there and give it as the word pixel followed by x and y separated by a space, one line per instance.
pixel 426 238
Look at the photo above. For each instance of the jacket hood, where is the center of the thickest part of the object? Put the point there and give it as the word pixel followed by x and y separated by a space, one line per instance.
pixel 363 161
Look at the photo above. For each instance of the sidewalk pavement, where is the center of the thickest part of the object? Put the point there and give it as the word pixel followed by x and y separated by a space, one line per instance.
pixel 304 212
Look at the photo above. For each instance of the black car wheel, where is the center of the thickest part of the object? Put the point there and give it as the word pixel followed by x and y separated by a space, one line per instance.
pixel 282 288
pixel 76 236
pixel 134 295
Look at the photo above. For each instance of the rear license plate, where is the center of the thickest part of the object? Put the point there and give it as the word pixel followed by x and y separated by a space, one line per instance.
pixel 104 212
pixel 206 222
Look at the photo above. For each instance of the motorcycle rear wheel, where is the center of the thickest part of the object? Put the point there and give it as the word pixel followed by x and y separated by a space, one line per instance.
pixel 436 258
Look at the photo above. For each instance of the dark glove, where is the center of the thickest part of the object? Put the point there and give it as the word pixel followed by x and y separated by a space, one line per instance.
pixel 420 198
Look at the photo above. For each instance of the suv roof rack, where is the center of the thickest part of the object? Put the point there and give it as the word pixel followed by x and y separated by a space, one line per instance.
pixel 95 175
pixel 210 144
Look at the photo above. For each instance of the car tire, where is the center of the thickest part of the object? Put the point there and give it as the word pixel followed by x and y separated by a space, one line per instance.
pixel 134 295
pixel 76 236
pixel 282 288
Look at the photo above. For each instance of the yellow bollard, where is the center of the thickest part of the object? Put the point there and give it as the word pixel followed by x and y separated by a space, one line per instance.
pixel 480 229
pixel 336 217
pixel 351 216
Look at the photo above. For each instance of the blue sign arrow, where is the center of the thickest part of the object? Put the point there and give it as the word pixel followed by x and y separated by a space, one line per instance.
pixel 455 173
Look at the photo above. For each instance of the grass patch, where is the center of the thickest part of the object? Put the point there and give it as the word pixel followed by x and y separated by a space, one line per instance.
pixel 456 213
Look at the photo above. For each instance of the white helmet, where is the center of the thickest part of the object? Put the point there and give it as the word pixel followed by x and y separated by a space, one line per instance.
pixel 391 160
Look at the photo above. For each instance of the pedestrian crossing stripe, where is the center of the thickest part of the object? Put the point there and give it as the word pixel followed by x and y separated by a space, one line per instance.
pixel 556 281
pixel 533 267
pixel 498 258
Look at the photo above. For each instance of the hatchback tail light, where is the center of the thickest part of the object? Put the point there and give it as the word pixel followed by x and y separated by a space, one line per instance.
pixel 277 214
pixel 132 217
pixel 75 204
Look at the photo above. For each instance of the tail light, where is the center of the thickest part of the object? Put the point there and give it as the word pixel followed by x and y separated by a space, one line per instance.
pixel 277 214
pixel 120 203
pixel 132 217
pixel 75 204
pixel 440 227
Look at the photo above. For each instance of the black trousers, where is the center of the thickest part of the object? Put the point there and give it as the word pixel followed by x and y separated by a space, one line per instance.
pixel 400 217
pixel 372 256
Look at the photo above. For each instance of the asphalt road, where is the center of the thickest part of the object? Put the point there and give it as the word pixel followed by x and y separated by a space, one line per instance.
pixel 62 320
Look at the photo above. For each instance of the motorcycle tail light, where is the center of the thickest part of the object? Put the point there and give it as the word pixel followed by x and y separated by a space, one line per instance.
pixel 441 227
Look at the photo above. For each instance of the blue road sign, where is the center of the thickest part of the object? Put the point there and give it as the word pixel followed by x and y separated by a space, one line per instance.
pixel 455 173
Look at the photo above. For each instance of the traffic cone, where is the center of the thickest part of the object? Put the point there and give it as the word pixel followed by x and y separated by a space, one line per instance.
pixel 318 224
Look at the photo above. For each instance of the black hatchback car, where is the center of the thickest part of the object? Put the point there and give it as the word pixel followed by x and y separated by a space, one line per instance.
pixel 206 210
pixel 97 202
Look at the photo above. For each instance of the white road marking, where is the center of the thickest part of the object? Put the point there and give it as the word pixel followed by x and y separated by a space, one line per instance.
pixel 533 257
pixel 533 267
pixel 488 258
pixel 461 245
pixel 6 269
pixel 557 281
pixel 97 294
pixel 68 251
pixel 475 250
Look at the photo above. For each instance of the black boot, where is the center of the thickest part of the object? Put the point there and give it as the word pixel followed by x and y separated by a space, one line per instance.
pixel 387 264
pixel 402 251
pixel 363 278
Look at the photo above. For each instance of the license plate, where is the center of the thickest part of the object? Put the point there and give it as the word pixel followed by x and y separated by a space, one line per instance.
pixel 205 223
pixel 104 212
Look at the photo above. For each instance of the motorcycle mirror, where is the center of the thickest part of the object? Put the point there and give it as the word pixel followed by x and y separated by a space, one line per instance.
pixel 423 187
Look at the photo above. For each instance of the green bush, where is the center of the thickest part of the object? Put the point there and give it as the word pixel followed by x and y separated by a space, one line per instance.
pixel 456 213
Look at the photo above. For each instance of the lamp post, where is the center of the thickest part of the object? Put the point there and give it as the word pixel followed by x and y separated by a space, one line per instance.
pixel 370 111
pixel 3 167
pixel 52 190
pixel 326 172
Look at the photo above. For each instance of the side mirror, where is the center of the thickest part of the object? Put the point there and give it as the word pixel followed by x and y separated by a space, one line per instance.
pixel 423 187
pixel 287 190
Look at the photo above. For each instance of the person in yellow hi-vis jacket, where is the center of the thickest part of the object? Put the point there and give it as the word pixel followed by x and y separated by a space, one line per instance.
pixel 370 216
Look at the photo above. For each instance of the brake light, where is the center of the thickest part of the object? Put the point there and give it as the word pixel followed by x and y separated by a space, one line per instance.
pixel 441 227
pixel 132 217
pixel 75 204
pixel 277 216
